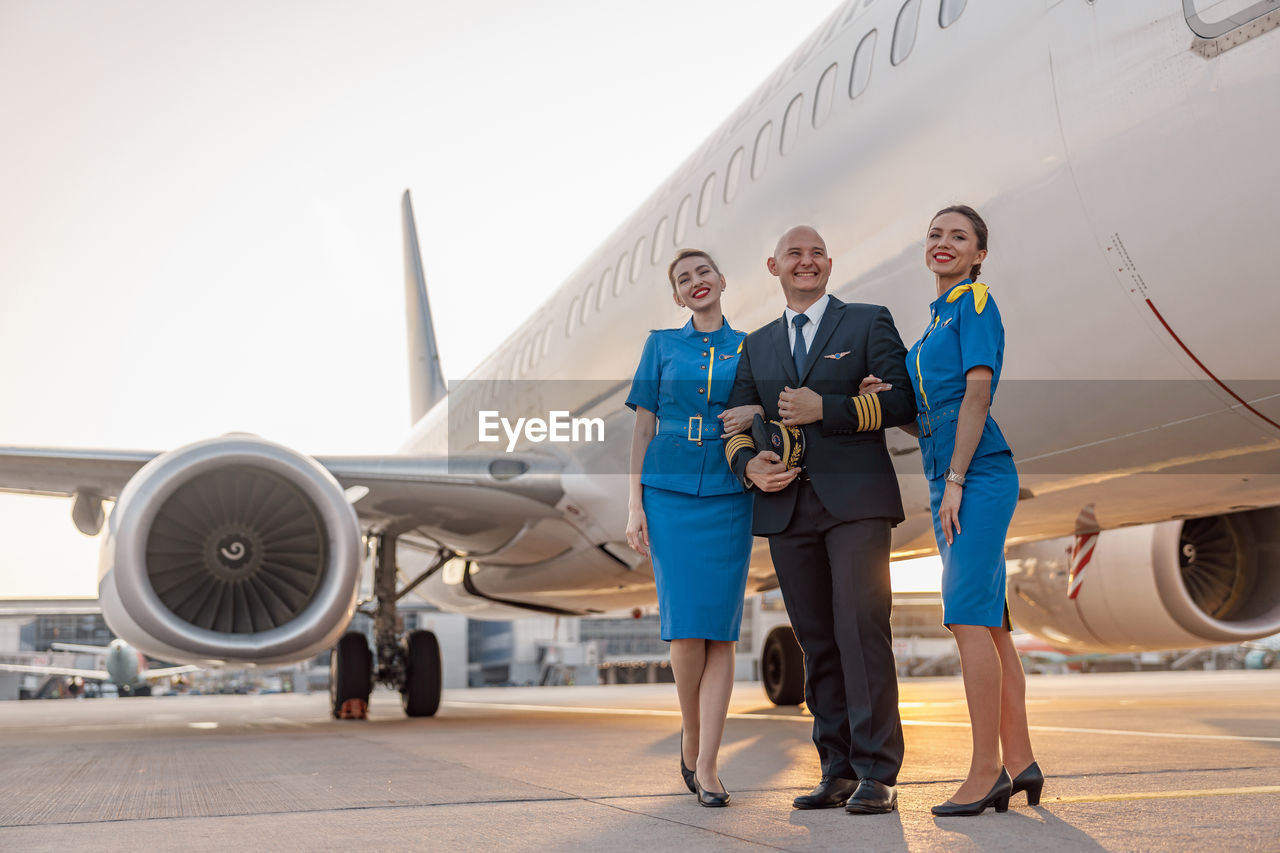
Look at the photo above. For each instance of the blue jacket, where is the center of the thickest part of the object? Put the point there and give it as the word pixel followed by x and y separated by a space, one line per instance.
pixel 964 332
pixel 684 377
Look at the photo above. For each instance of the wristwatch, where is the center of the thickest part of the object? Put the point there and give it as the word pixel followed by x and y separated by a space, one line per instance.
pixel 954 476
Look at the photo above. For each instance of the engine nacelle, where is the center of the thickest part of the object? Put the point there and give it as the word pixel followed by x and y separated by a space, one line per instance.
pixel 232 550
pixel 1178 584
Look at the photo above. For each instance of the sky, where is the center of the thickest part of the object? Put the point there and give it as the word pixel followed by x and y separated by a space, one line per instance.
pixel 200 226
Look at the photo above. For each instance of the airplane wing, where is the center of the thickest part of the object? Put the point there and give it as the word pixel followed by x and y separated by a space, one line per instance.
pixel 60 472
pixel 77 647
pixel 472 504
pixel 167 671
pixel 92 674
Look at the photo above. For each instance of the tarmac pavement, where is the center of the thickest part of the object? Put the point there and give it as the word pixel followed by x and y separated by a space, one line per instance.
pixel 1135 761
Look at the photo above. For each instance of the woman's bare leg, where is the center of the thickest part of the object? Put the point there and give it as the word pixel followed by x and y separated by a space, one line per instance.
pixel 1015 740
pixel 688 660
pixel 713 696
pixel 980 666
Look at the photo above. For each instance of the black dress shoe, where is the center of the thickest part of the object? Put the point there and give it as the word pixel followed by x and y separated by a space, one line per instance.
pixel 685 771
pixel 830 794
pixel 712 799
pixel 998 796
pixel 872 797
pixel 1030 780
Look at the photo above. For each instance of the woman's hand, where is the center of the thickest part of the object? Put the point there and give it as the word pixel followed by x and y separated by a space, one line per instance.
pixel 873 385
pixel 737 419
pixel 949 511
pixel 638 531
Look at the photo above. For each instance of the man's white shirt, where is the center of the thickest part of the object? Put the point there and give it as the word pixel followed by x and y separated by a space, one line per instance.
pixel 814 313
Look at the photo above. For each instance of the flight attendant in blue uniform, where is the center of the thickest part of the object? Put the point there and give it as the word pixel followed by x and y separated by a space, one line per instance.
pixel 688 511
pixel 973 489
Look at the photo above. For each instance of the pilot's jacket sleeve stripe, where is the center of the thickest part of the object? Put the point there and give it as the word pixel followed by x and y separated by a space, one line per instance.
pixel 863 416
pixel 870 415
pixel 735 444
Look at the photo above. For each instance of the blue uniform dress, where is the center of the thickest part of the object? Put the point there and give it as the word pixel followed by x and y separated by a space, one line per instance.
pixel 699 516
pixel 965 332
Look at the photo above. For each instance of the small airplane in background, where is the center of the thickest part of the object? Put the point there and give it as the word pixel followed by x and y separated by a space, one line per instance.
pixel 125 667
pixel 1261 654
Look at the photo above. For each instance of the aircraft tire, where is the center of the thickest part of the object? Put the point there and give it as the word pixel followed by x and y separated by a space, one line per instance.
pixel 423 677
pixel 350 672
pixel 782 667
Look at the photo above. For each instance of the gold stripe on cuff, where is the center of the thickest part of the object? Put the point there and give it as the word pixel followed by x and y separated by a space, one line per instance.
pixel 860 405
pixel 875 401
pixel 737 443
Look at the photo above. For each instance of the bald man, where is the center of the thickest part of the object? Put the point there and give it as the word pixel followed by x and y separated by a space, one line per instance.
pixel 829 521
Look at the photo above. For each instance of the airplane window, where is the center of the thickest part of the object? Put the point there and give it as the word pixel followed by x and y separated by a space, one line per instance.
pixel 574 307
pixel 637 259
pixel 526 357
pixel 545 335
pixel 659 240
pixel 732 174
pixel 682 219
pixel 704 200
pixel 1211 19
pixel 949 12
pixel 854 8
pixel 760 156
pixel 791 124
pixel 904 32
pixel 621 279
pixel 588 302
pixel 823 96
pixel 862 57
pixel 604 289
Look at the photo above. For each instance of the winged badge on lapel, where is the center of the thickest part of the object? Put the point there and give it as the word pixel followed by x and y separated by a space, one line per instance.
pixel 837 355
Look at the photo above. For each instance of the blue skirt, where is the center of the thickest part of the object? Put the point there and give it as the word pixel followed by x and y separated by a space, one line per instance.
pixel 700 548
pixel 973 578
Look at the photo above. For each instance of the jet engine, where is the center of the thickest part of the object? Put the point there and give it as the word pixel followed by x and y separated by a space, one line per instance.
pixel 1177 584
pixel 233 549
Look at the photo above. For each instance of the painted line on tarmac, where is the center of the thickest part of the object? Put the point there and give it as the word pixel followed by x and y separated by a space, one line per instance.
pixel 805 718
pixel 1163 795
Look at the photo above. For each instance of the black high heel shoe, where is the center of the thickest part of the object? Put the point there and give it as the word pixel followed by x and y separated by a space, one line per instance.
pixel 711 799
pixel 1030 780
pixel 998 796
pixel 689 776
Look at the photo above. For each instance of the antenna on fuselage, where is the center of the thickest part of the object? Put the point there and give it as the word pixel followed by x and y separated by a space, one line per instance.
pixel 426 380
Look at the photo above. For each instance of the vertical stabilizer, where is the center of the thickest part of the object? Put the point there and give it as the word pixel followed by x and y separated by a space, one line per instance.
pixel 426 380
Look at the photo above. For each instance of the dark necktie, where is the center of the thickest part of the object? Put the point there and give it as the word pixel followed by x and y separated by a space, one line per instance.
pixel 800 353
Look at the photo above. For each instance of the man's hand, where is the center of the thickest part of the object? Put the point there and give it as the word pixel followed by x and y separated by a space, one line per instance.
pixel 737 419
pixel 768 473
pixel 873 385
pixel 797 406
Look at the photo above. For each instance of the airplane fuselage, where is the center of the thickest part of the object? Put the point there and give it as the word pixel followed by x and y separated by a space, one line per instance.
pixel 1124 169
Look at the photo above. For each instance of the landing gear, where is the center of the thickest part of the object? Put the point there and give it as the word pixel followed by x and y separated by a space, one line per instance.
pixel 409 664
pixel 782 667
pixel 350 677
pixel 420 694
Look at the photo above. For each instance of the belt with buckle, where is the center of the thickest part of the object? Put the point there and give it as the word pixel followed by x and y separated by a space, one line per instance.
pixel 696 428
pixel 928 421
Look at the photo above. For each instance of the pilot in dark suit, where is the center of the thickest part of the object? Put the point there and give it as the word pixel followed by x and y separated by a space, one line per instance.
pixel 829 522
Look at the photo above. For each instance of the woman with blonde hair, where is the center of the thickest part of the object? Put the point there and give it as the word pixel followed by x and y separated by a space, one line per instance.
pixel 688 512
